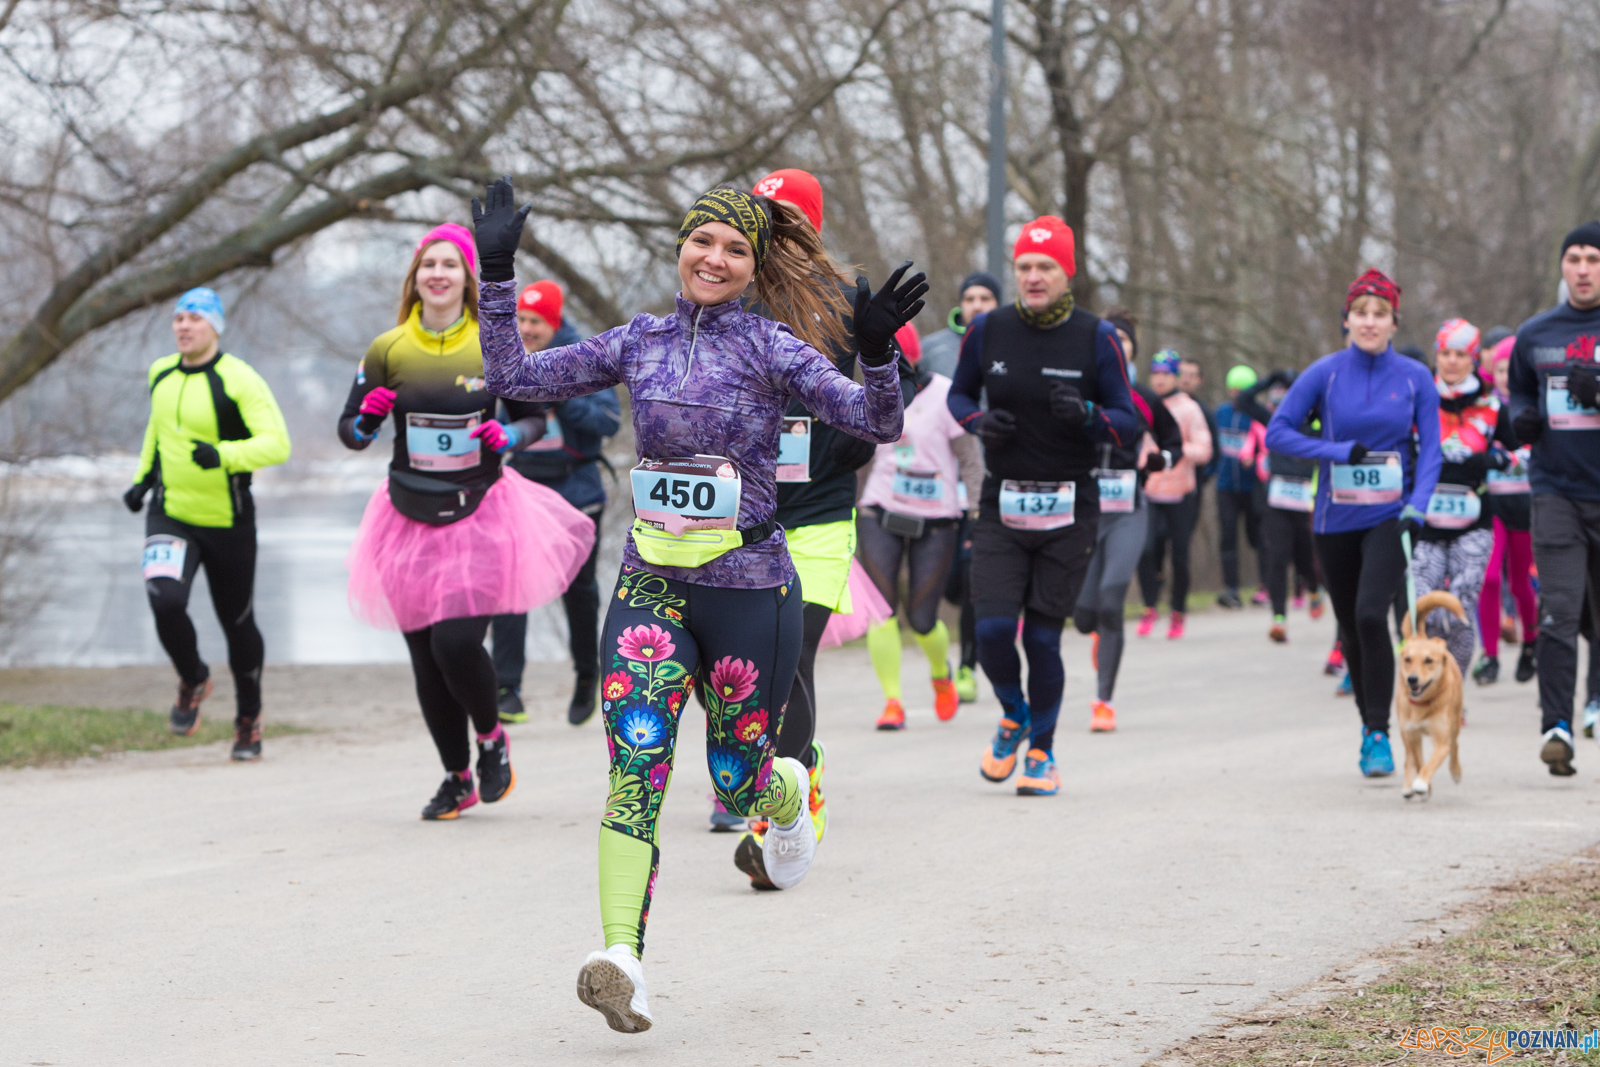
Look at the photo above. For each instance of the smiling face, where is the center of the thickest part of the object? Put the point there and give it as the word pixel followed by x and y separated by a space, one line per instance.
pixel 1040 280
pixel 194 334
pixel 1371 323
pixel 441 281
pixel 535 329
pixel 1422 665
pixel 715 264
pixel 1453 365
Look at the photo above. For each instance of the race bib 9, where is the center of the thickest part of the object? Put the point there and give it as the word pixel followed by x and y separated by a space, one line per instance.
pixel 794 450
pixel 163 557
pixel 1037 505
pixel 1377 479
pixel 676 495
pixel 1118 490
pixel 442 442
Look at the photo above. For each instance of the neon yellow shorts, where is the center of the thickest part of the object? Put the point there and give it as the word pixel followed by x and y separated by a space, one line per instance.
pixel 822 555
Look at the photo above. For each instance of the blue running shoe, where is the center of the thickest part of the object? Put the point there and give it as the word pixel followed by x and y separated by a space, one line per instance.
pixel 1039 777
pixel 1001 759
pixel 1376 759
pixel 1344 689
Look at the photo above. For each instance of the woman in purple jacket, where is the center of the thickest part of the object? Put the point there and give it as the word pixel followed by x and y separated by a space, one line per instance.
pixel 1379 459
pixel 707 595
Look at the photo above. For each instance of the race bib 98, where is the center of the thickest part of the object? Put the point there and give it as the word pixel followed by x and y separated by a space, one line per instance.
pixel 1377 479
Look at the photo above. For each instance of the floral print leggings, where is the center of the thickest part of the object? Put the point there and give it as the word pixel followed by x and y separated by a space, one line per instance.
pixel 662 638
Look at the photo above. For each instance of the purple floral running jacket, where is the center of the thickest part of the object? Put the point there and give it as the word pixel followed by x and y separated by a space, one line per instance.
pixel 707 380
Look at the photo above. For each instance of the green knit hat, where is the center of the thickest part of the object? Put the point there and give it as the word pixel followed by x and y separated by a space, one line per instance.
pixel 1241 377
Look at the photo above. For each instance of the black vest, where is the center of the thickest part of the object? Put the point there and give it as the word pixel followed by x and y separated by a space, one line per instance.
pixel 1020 364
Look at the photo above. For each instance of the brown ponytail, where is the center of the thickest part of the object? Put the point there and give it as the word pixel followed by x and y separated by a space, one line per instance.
pixel 799 282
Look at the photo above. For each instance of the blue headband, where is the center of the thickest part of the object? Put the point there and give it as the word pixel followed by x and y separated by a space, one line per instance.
pixel 1166 361
pixel 205 303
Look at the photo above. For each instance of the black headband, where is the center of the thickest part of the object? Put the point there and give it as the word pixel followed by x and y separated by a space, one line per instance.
pixel 738 209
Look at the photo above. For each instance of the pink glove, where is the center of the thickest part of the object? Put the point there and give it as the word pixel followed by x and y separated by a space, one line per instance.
pixel 498 437
pixel 379 402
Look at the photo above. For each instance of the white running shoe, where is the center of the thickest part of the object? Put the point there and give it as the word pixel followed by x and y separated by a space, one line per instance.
pixel 786 851
pixel 612 983
pixel 1591 716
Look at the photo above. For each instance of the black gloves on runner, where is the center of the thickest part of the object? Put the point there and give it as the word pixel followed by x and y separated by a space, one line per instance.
pixel 878 315
pixel 1493 460
pixel 1528 426
pixel 1068 405
pixel 134 497
pixel 1158 460
pixel 1584 384
pixel 1358 452
pixel 205 456
pixel 497 230
pixel 995 427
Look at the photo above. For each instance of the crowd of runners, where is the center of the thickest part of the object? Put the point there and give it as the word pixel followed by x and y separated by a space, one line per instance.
pixel 811 471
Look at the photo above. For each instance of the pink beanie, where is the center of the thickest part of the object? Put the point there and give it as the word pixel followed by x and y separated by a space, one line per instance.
pixel 457 235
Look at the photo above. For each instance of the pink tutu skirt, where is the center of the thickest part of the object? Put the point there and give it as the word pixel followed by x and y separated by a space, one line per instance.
pixel 520 549
pixel 869 610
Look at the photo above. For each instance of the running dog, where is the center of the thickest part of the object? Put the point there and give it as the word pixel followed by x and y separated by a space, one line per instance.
pixel 1427 698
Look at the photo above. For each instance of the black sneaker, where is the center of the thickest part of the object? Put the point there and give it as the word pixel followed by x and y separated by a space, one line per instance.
pixel 1230 600
pixel 246 739
pixel 1527 666
pixel 1557 751
pixel 509 705
pixel 185 717
pixel 747 857
pixel 495 776
pixel 582 705
pixel 1487 672
pixel 455 796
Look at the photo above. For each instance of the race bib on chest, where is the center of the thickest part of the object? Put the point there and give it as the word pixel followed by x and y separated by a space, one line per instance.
pixel 1037 505
pixel 1453 507
pixel 1513 481
pixel 1377 479
pixel 1290 494
pixel 163 557
pixel 699 493
pixel 1563 410
pixel 552 439
pixel 916 488
pixel 442 442
pixel 1119 490
pixel 1232 443
pixel 794 450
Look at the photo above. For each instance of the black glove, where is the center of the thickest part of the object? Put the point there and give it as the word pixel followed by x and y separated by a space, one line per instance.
pixel 1358 452
pixel 878 315
pixel 1068 405
pixel 1480 463
pixel 134 497
pixel 497 230
pixel 1158 460
pixel 205 456
pixel 1584 384
pixel 1528 426
pixel 995 427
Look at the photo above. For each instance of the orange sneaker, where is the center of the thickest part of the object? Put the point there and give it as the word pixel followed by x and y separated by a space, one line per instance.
pixel 1102 718
pixel 1279 632
pixel 946 701
pixel 1039 777
pixel 1094 651
pixel 893 717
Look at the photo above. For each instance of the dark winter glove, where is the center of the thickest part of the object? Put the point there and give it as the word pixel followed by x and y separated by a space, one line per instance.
pixel 878 315
pixel 205 456
pixel 1068 405
pixel 1411 522
pixel 1528 426
pixel 1158 460
pixel 1480 463
pixel 497 230
pixel 134 497
pixel 995 427
pixel 1584 384
pixel 1358 452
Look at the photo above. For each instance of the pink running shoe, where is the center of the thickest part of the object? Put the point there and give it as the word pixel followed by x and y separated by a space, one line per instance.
pixel 1260 597
pixel 1147 622
pixel 1175 626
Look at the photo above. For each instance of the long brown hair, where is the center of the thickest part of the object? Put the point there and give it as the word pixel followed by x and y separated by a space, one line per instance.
pixel 410 298
pixel 799 282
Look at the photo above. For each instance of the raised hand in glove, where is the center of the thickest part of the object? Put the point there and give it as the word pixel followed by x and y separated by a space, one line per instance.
pixel 497 230
pixel 995 427
pixel 205 456
pixel 1583 384
pixel 133 499
pixel 1068 405
pixel 878 315
pixel 1528 426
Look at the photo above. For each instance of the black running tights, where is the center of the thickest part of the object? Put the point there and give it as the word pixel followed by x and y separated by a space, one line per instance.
pixel 1286 539
pixel 1362 569
pixel 927 557
pixel 799 724
pixel 455 685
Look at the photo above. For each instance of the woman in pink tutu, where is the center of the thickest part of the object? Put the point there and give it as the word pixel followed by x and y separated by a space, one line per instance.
pixel 451 538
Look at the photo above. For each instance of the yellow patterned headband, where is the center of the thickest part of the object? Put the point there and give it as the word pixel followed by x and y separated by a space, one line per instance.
pixel 739 210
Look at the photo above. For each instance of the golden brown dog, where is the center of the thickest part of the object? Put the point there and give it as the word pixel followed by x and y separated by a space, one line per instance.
pixel 1427 698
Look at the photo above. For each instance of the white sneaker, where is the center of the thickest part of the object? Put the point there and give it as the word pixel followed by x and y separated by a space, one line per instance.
pixel 786 851
pixel 612 983
pixel 1591 716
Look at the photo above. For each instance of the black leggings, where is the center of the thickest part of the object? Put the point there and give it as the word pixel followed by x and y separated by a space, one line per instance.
pixel 455 684
pixel 1174 523
pixel 582 602
pixel 928 558
pixel 229 557
pixel 958 590
pixel 1363 569
pixel 1286 538
pixel 798 727
pixel 1231 507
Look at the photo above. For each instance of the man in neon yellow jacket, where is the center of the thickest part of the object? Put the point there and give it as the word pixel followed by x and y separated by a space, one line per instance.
pixel 212 421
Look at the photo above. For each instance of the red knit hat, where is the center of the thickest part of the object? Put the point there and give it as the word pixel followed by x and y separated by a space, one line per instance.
pixel 910 343
pixel 1050 236
pixel 543 298
pixel 1373 283
pixel 1458 334
pixel 798 188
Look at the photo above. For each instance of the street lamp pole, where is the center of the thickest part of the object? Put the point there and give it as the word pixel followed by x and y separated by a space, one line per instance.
pixel 996 215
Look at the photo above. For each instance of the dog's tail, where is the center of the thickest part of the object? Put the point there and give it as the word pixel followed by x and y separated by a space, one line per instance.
pixel 1430 602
